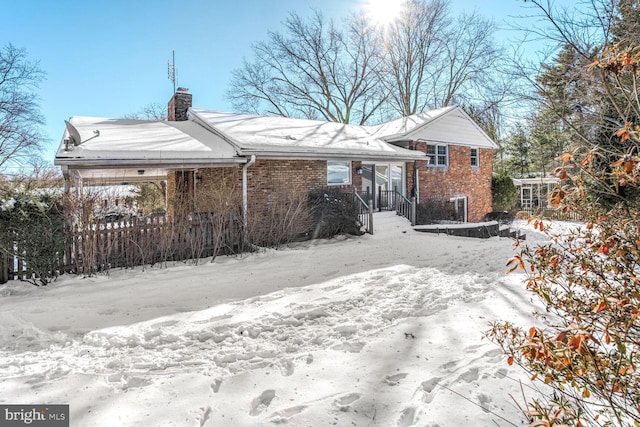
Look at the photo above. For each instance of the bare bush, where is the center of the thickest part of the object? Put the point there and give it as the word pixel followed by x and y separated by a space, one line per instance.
pixel 286 218
pixel 435 209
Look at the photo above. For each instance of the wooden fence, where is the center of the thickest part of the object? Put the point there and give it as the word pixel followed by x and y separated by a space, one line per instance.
pixel 553 214
pixel 130 243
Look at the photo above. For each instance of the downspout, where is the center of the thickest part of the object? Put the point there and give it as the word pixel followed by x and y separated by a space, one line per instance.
pixel 245 198
pixel 416 178
pixel 65 175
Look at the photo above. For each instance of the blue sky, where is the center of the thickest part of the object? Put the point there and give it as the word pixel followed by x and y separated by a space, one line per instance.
pixel 108 58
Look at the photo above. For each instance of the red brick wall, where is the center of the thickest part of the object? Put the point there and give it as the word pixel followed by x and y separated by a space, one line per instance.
pixel 269 178
pixel 266 180
pixel 178 105
pixel 458 179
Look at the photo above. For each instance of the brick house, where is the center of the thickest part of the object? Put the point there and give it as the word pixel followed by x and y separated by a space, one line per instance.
pixel 439 153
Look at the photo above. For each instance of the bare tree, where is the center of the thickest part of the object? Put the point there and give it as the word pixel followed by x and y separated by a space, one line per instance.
pixel 471 62
pixel 39 173
pixel 313 70
pixel 433 60
pixel 414 44
pixel 20 116
pixel 423 60
pixel 578 96
pixel 153 111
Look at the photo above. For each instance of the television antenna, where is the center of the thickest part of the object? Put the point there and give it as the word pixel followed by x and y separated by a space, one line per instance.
pixel 172 72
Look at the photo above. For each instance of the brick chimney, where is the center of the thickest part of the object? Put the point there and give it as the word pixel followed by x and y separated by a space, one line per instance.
pixel 179 103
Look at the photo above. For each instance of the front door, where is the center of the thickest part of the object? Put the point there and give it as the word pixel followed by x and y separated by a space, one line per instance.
pixel 380 182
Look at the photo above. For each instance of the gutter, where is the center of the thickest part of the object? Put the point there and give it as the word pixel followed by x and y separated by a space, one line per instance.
pixel 245 197
pixel 106 163
pixel 318 155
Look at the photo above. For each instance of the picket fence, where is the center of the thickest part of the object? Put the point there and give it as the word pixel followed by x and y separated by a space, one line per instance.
pixel 134 242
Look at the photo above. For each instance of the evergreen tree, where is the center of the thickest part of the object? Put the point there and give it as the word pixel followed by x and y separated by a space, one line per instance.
pixel 519 151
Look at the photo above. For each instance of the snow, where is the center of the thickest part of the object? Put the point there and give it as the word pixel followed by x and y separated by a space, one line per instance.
pixel 103 138
pixel 274 134
pixel 449 125
pixel 381 330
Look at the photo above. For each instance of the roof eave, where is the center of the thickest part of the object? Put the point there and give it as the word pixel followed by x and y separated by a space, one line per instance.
pixel 84 163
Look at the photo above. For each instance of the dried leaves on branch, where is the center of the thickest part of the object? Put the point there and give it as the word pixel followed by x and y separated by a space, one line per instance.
pixel 588 279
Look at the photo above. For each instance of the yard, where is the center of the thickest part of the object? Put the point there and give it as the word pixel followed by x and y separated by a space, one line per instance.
pixel 382 329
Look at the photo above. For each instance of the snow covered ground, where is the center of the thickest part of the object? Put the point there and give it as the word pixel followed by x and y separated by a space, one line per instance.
pixel 382 330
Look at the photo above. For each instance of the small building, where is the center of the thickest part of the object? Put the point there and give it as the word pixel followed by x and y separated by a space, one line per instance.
pixel 533 192
pixel 441 153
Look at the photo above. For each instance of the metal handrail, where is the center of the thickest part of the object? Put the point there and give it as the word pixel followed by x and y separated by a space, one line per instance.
pixel 365 213
pixel 405 207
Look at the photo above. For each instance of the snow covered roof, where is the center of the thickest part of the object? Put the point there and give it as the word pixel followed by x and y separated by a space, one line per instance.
pixel 536 180
pixel 271 136
pixel 448 125
pixel 124 150
pixel 404 125
pixel 143 140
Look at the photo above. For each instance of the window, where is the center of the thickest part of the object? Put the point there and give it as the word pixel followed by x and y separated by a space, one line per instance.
pixel 475 158
pixel 338 173
pixel 437 155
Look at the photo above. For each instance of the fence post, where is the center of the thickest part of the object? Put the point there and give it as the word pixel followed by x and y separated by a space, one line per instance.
pixel 371 216
pixel 413 210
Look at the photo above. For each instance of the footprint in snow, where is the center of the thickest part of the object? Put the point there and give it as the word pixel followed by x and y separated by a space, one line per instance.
pixel 472 348
pixel 470 375
pixel 496 354
pixel 262 402
pixel 206 413
pixel 344 402
pixel 395 379
pixel 286 367
pixel 408 417
pixel 215 387
pixel 449 365
pixel 283 416
pixel 501 373
pixel 484 401
pixel 427 389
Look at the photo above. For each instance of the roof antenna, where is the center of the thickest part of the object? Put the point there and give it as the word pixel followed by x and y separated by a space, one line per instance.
pixel 172 72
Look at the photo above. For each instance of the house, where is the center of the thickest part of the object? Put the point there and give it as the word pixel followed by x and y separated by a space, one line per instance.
pixel 533 192
pixel 441 153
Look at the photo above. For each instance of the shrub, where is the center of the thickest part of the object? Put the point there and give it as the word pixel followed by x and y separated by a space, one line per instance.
pixel 286 218
pixel 589 282
pixel 504 193
pixel 33 230
pixel 435 209
pixel 334 211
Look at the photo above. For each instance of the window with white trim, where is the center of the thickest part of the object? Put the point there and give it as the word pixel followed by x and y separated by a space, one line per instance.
pixel 475 158
pixel 338 173
pixel 438 155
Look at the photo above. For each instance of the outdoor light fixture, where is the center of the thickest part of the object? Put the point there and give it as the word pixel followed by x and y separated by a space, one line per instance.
pixel 359 171
pixel 140 171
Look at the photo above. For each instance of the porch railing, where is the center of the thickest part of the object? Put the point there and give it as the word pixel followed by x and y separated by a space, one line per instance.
pixel 386 199
pixel 405 207
pixel 365 213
